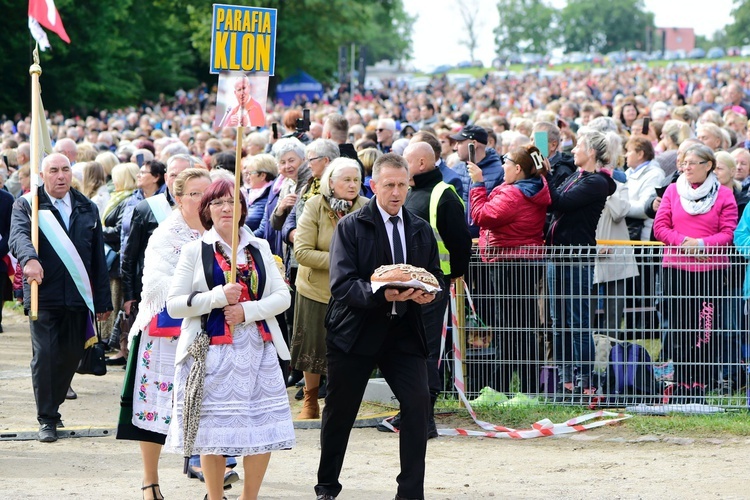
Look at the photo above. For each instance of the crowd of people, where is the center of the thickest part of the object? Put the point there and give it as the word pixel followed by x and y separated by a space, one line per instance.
pixel 538 168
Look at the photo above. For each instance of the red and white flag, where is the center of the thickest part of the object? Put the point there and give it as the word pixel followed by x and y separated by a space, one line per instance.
pixel 45 13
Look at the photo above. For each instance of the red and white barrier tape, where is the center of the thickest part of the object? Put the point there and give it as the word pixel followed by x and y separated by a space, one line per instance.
pixel 541 428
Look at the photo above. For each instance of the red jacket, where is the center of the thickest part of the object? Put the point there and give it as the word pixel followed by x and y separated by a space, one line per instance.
pixel 511 216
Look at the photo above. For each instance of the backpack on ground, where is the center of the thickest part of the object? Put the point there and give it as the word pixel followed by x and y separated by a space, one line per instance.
pixel 630 376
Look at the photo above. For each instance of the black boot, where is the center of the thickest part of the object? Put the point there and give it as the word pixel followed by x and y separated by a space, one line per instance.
pixel 431 428
pixel 294 377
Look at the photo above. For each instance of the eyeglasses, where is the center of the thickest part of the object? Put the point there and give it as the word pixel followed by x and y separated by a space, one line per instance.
pixel 194 194
pixel 254 172
pixel 314 159
pixel 221 203
pixel 692 164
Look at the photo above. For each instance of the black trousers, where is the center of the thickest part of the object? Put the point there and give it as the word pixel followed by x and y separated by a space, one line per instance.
pixel 433 316
pixel 401 360
pixel 57 341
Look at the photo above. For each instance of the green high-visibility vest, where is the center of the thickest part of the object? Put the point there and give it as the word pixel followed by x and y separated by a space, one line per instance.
pixel 443 254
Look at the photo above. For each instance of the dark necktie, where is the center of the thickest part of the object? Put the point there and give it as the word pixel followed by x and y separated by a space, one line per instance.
pixel 398 258
pixel 398 249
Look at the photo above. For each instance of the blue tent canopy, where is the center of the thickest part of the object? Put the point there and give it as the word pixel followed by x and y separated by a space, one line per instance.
pixel 297 84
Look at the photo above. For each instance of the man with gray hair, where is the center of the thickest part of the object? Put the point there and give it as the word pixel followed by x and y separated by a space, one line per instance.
pixel 71 272
pixel 742 159
pixel 68 148
pixel 386 134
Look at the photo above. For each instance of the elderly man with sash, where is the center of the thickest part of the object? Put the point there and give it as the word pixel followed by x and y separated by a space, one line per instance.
pixel 71 272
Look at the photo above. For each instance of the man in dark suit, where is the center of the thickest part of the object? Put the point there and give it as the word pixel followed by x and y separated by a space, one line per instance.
pixel 74 230
pixel 365 329
pixel 6 287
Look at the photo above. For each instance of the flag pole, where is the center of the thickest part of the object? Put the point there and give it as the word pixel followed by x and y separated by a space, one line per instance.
pixel 237 207
pixel 35 70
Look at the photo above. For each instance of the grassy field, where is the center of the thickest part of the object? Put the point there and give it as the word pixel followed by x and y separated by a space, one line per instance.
pixel 730 423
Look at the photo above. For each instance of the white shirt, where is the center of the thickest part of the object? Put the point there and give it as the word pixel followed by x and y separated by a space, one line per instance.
pixel 389 228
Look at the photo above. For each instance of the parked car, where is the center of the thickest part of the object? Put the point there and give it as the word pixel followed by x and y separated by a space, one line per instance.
pixel 696 53
pixel 636 55
pixel 443 68
pixel 616 57
pixel 715 53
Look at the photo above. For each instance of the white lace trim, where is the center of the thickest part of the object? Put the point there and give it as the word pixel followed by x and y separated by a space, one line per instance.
pixel 245 407
pixel 160 262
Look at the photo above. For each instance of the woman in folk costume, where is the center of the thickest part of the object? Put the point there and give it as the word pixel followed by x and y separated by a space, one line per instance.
pixel 147 395
pixel 230 396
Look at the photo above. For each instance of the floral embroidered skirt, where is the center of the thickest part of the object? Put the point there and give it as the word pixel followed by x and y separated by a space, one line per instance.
pixel 245 408
pixel 154 383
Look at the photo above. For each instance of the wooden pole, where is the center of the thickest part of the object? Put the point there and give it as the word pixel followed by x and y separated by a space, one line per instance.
pixel 35 70
pixel 237 206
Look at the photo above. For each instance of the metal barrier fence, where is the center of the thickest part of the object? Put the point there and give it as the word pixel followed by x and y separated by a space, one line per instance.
pixel 606 326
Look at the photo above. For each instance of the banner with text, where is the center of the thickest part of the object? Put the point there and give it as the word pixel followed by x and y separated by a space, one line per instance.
pixel 243 39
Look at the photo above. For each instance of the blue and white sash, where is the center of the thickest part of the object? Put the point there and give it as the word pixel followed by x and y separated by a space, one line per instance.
pixel 67 252
pixel 159 206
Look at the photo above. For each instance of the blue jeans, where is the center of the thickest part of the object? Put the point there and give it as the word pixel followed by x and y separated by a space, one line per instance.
pixel 569 285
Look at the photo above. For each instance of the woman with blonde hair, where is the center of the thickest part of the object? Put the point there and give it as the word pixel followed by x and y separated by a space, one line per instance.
pixel 367 157
pixel 673 133
pixel 108 160
pixel 95 184
pixel 339 195
pixel 124 178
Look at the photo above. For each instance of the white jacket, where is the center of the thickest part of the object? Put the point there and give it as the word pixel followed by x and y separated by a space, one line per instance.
pixel 189 277
pixel 642 185
pixel 614 262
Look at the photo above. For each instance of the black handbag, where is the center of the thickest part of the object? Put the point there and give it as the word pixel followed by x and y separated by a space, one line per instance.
pixel 93 362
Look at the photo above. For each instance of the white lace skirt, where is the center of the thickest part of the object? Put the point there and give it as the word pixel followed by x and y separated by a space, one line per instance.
pixel 245 407
pixel 154 383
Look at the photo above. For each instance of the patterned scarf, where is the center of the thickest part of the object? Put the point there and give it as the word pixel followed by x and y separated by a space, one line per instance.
pixel 699 200
pixel 313 189
pixel 248 278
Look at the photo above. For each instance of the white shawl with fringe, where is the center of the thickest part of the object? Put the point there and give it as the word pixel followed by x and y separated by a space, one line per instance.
pixel 160 262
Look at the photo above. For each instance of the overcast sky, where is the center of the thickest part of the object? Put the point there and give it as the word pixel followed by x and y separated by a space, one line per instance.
pixel 438 27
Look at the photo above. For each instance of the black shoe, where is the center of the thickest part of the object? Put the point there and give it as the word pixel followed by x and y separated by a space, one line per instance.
pixel 1 328
pixel 229 478
pixel 300 394
pixel 47 433
pixel 294 377
pixel 194 474
pixel 325 496
pixel 432 432
pixel 322 390
pixel 71 394
pixel 397 497
pixel 116 361
pixel 394 421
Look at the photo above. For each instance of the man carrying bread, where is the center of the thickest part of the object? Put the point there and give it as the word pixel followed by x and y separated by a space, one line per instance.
pixel 383 328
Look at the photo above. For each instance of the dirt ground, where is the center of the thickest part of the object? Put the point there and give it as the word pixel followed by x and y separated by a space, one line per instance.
pixel 608 462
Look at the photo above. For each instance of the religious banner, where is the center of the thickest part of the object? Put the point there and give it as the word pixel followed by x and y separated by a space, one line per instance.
pixel 243 39
pixel 241 99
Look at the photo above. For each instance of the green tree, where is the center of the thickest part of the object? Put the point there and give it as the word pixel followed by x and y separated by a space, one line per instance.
pixel 123 52
pixel 525 25
pixel 737 32
pixel 602 25
pixel 309 32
